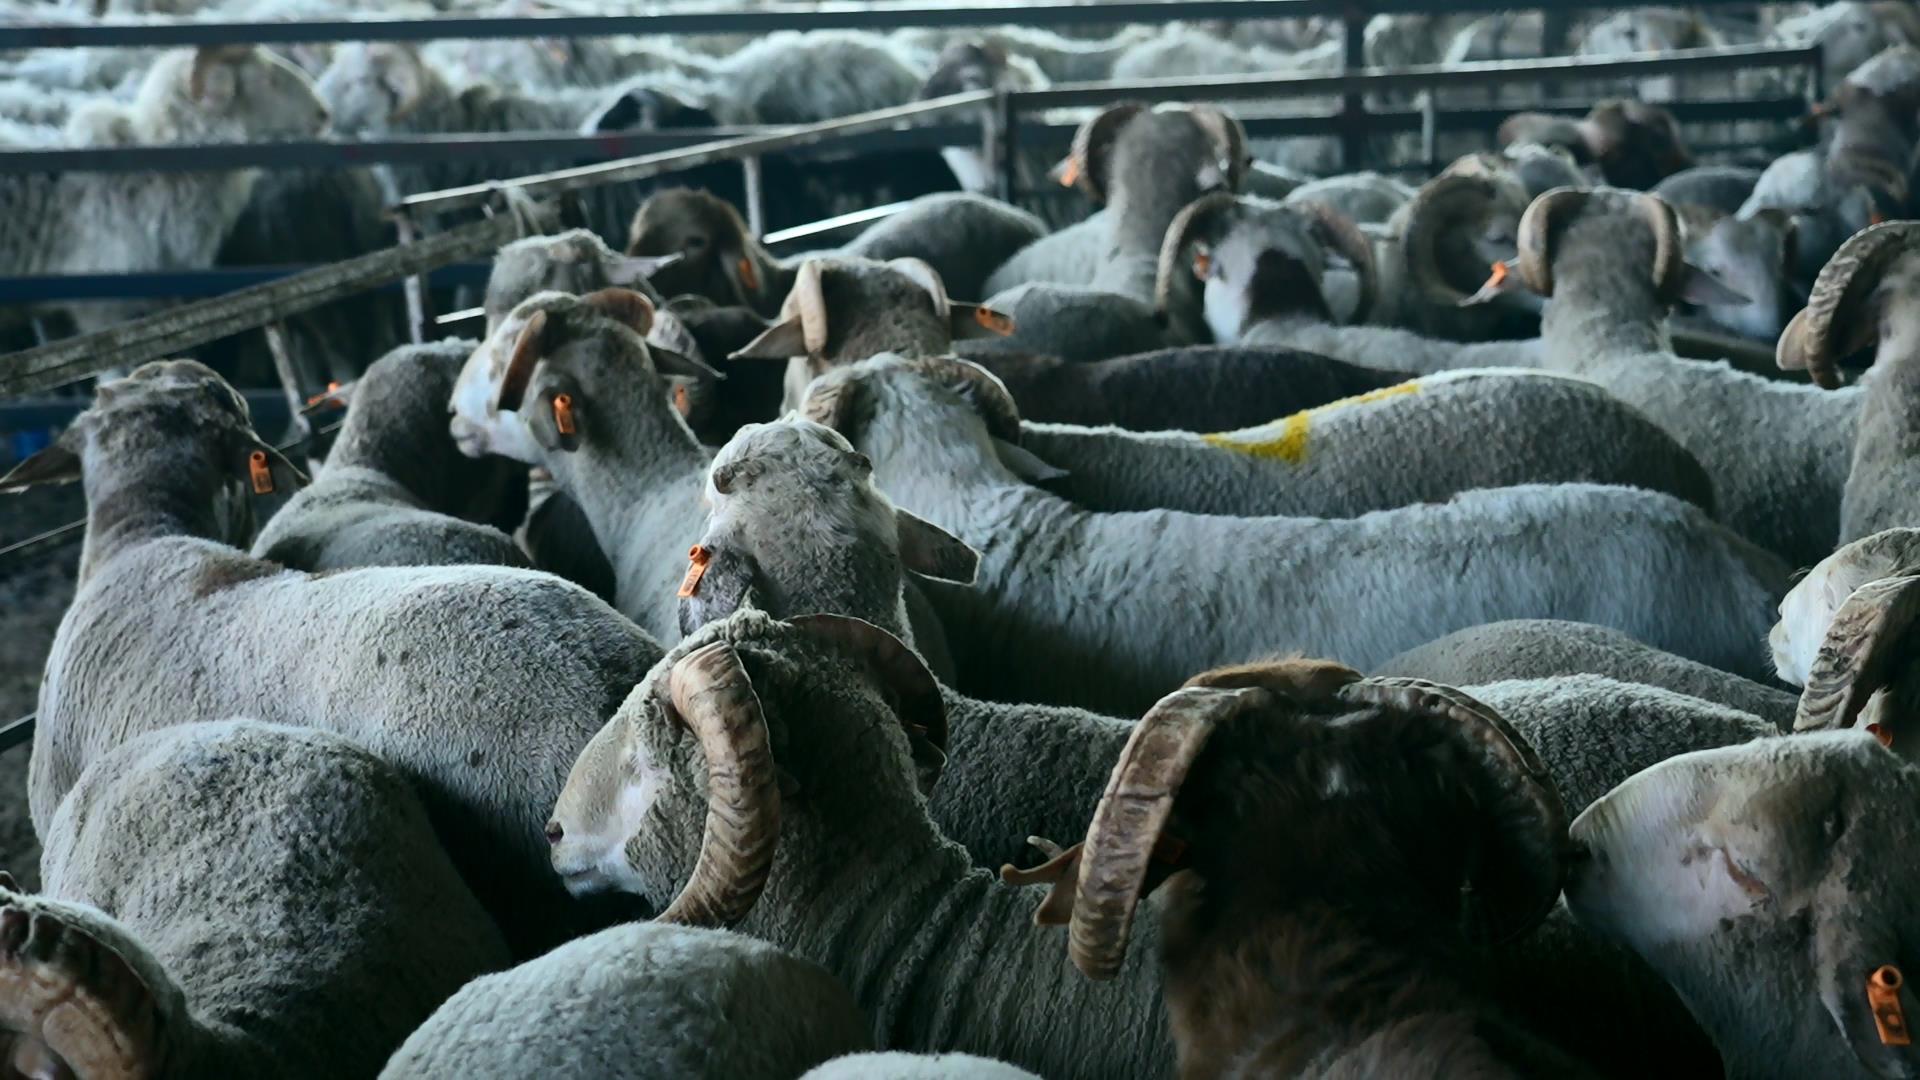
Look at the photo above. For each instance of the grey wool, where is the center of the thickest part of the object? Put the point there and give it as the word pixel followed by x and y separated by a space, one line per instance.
pixel 1425 440
pixel 1545 648
pixel 1203 590
pixel 395 491
pixel 83 222
pixel 236 899
pixel 916 1067
pixel 644 1000
pixel 479 683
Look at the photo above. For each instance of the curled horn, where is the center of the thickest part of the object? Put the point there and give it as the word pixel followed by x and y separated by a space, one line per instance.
pixel 1196 217
pixel 1669 252
pixel 809 300
pixel 1821 334
pixel 921 708
pixel 1133 812
pixel 1231 138
pixel 988 394
pixel 1091 144
pixel 527 350
pixel 1444 202
pixel 1858 657
pixel 710 693
pixel 1343 236
pixel 831 399
pixel 1518 882
pixel 1536 228
pixel 925 276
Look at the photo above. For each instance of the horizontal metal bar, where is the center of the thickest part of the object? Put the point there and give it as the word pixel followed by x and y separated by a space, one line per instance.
pixel 167 333
pixel 186 284
pixel 649 165
pixel 828 226
pixel 432 150
pixel 1703 344
pixel 17 733
pixel 1428 76
pixel 267 407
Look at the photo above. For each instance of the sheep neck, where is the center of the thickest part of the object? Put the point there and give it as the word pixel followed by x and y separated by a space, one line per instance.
pixel 129 504
pixel 623 477
pixel 1603 307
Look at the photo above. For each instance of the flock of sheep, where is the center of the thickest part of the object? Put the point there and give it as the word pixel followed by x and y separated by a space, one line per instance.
pixel 1289 626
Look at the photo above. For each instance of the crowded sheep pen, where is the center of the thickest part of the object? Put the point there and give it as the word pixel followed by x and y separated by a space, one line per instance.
pixel 958 539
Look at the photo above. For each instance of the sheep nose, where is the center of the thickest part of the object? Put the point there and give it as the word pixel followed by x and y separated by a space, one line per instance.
pixel 555 832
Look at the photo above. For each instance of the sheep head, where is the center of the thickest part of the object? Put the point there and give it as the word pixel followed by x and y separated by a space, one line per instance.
pixel 797 525
pixel 729 728
pixel 1634 145
pixel 375 87
pixel 1305 761
pixel 1767 879
pixel 1455 227
pixel 1550 218
pixel 968 66
pixel 842 399
pixel 1129 139
pixel 1808 610
pixel 582 360
pixel 1258 258
pixel 1755 255
pixel 1841 317
pixel 576 261
pixel 720 259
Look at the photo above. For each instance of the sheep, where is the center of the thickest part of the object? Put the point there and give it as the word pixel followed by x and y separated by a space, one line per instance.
pixel 1193 388
pixel 793 78
pixel 969 65
pixel 635 471
pixel 1756 256
pixel 1776 454
pixel 1809 610
pixel 1723 188
pixel 963 237
pixel 936 455
pixel 1633 144
pixel 1347 947
pixel 1782 853
pixel 395 491
pixel 79 222
pixel 863 883
pixel 1365 197
pixel 1537 649
pixel 645 999
pixel 1058 58
pixel 916 1067
pixel 575 261
pixel 1386 448
pixel 1181 50
pixel 480 683
pixel 1859 300
pixel 234 899
pixel 1144 165
pixel 1849 34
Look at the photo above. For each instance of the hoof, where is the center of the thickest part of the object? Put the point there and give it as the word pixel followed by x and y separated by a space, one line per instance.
pixel 70 1007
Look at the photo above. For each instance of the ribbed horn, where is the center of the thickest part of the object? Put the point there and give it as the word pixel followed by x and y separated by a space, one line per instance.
pixel 921 708
pixel 988 394
pixel 1517 882
pixel 1229 136
pixel 711 694
pixel 1868 635
pixel 1440 205
pixel 1819 337
pixel 1669 251
pixel 1536 231
pixel 809 300
pixel 1342 235
pixel 527 350
pixel 1197 216
pixel 1091 144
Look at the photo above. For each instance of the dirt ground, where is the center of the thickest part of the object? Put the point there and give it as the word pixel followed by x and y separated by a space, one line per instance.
pixel 35 587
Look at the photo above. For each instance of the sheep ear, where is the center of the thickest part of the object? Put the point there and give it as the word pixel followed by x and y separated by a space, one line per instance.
pixel 1024 464
pixel 268 472
pixel 783 340
pixel 56 464
pixel 671 362
pixel 554 420
pixel 628 270
pixel 931 551
pixel 1703 288
pixel 969 321
pixel 1863 987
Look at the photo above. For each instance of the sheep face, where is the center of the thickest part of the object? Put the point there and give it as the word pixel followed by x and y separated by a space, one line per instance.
pixel 233 94
pixel 594 835
pixel 577 262
pixel 1807 611
pixel 1755 256
pixel 1763 881
pixel 1266 266
pixel 372 87
pixel 718 258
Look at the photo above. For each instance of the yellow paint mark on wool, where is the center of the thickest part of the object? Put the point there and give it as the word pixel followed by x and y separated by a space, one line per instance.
pixel 1286 439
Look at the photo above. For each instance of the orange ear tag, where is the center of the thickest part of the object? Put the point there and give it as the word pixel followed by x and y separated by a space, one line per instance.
pixel 1202 262
pixel 749 276
pixel 1070 175
pixel 697 559
pixel 261 472
pixel 333 388
pixel 681 402
pixel 1499 277
pixel 996 321
pixel 1881 733
pixel 563 414
pixel 1876 218
pixel 1883 996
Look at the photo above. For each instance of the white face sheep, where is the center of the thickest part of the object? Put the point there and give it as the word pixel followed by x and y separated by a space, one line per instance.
pixel 234 899
pixel 785 740
pixel 480 683
pixel 644 999
pixel 932 428
pixel 1809 608
pixel 395 490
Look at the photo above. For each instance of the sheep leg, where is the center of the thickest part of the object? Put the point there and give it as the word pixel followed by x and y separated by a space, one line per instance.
pixel 70 1005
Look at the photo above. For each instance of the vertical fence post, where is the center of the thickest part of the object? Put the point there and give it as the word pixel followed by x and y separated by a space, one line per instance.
pixel 756 196
pixel 282 351
pixel 1353 105
pixel 1006 126
pixel 419 302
